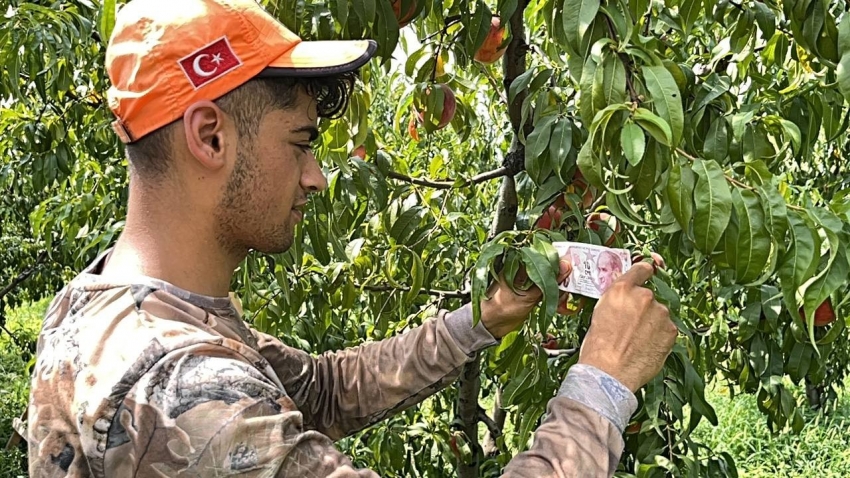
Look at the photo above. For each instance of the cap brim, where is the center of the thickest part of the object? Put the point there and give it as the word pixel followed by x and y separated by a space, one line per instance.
pixel 321 58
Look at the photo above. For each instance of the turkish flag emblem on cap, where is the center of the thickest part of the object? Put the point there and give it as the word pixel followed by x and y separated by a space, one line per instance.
pixel 210 62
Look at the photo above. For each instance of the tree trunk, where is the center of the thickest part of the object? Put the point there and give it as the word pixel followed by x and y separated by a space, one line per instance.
pixel 469 386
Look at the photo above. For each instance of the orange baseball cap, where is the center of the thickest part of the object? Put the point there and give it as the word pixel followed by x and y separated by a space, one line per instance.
pixel 164 55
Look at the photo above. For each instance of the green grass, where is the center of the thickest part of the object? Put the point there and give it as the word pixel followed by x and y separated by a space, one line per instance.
pixel 821 450
pixel 15 362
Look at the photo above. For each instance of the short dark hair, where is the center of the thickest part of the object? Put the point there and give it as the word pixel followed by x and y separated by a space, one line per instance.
pixel 148 157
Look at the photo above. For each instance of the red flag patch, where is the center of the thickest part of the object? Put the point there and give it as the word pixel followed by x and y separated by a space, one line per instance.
pixel 210 62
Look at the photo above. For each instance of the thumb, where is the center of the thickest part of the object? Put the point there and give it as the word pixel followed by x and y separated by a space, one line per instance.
pixel 566 268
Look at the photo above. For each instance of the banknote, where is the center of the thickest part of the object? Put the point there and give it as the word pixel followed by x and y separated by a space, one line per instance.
pixel 595 268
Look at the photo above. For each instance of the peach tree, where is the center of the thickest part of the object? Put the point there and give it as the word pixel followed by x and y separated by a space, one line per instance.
pixel 713 133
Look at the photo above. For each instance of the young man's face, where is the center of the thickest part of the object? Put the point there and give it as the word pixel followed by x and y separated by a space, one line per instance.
pixel 266 194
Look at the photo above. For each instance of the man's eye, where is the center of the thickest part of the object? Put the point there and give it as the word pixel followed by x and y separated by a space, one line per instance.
pixel 307 148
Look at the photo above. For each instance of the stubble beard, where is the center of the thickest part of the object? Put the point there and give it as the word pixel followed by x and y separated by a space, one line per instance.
pixel 243 223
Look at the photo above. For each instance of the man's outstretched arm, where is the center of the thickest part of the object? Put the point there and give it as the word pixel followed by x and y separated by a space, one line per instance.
pixel 342 392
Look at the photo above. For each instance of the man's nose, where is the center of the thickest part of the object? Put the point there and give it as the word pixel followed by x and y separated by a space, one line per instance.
pixel 313 180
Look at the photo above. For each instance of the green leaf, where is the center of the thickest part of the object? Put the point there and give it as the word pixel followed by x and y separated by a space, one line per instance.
pixel 417 276
pixel 481 277
pixel 755 144
pixel 386 30
pixel 609 82
pixel 797 263
pixel 644 176
pixel 766 20
pixel 713 205
pixel 833 277
pixel 634 143
pixel 540 271
pixel 590 166
pixel 577 17
pixel 799 361
pixel 540 79
pixel 717 141
pixel 776 213
pixel 559 147
pixel 654 125
pixel 519 83
pixel 479 27
pixel 666 98
pixel 406 223
pixel 793 131
pixel 107 20
pixel 587 106
pixel 680 193
pixel 535 145
pixel 695 386
pixel 318 241
pixel 844 35
pixel 689 13
pixel 753 245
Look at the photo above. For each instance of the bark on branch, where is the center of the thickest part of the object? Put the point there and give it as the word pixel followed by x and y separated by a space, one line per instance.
pixel 479 178
pixel 494 429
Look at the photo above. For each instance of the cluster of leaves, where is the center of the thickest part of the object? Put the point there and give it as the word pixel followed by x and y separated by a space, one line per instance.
pixel 715 132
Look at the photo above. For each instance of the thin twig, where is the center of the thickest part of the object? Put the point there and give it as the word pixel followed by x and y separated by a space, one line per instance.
pixel 449 22
pixel 23 275
pixel 446 294
pixel 14 338
pixel 479 178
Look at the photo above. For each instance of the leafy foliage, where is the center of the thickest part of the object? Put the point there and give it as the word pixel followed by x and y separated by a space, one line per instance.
pixel 715 132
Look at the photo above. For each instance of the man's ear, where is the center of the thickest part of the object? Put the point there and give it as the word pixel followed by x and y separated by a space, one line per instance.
pixel 206 134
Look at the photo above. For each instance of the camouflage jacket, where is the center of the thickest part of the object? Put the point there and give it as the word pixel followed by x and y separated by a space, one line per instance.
pixel 137 377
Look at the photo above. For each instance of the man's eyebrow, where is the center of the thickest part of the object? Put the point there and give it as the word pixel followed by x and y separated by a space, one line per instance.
pixel 312 130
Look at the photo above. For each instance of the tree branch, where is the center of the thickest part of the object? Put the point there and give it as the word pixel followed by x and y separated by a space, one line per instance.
pixel 492 427
pixel 469 386
pixel 443 184
pixel 449 22
pixel 444 294
pixel 513 65
pixel 11 335
pixel 467 412
pixel 23 275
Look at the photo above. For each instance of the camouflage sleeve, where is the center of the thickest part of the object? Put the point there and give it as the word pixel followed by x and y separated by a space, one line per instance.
pixel 346 391
pixel 214 414
pixel 582 435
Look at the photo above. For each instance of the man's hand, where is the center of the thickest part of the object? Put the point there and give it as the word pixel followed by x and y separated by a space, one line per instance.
pixel 631 333
pixel 505 311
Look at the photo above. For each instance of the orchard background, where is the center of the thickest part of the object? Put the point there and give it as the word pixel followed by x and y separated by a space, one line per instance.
pixel 712 132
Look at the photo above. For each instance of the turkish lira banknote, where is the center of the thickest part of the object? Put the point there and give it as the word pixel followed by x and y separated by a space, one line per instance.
pixel 595 268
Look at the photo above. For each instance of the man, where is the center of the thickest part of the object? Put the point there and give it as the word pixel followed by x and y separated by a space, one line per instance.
pixel 610 268
pixel 144 366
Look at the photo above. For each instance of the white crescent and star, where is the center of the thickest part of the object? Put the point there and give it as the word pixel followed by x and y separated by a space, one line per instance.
pixel 196 65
